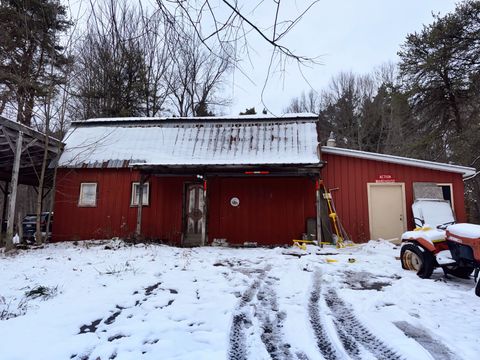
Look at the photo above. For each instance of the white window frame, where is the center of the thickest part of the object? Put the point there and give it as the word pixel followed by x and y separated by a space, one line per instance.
pixel 81 197
pixel 133 197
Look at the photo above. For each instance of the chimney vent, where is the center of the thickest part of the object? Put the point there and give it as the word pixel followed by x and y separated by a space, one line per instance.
pixel 331 140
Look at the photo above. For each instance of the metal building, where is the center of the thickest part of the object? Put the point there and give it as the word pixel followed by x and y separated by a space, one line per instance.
pixel 189 181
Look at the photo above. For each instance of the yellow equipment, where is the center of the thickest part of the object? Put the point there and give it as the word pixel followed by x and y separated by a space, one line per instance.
pixel 332 215
pixel 302 244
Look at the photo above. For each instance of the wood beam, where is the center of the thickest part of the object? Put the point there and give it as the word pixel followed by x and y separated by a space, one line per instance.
pixel 13 193
pixel 204 213
pixel 7 137
pixel 4 210
pixel 138 228
pixel 17 127
pixel 33 141
pixel 318 211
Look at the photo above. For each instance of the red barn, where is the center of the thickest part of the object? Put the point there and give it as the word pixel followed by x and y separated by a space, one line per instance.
pixel 188 181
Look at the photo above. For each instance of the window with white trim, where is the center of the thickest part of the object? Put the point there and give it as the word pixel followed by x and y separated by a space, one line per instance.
pixel 88 195
pixel 136 194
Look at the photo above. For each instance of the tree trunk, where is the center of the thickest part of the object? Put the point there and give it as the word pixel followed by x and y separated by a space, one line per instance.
pixel 38 231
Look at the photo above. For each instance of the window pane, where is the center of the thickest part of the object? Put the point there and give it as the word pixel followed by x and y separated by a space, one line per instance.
pixel 136 194
pixel 200 199
pixel 191 199
pixel 145 194
pixel 88 194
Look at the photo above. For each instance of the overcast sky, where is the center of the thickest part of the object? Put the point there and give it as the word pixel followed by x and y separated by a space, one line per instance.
pixel 348 35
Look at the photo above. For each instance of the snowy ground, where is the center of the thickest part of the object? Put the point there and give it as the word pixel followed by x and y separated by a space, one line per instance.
pixel 111 301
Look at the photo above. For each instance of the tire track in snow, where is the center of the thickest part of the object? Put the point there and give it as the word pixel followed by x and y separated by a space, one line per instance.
pixel 438 350
pixel 262 298
pixel 271 320
pixel 241 320
pixel 323 341
pixel 352 332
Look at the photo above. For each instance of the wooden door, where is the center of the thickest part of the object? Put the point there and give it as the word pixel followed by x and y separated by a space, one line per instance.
pixel 386 208
pixel 194 215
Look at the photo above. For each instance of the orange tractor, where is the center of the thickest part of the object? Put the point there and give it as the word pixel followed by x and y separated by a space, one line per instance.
pixel 438 241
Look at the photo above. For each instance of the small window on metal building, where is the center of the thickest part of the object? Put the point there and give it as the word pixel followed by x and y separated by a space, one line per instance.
pixel 88 195
pixel 442 191
pixel 135 199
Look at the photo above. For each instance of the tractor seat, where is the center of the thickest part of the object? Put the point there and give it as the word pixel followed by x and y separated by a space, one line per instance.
pixel 430 235
pixel 468 231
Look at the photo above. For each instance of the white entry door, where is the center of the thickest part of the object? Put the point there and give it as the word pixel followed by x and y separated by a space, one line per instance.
pixel 386 210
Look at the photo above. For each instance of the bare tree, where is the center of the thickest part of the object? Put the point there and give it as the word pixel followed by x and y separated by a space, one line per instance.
pixel 196 76
pixel 306 102
pixel 110 71
pixel 230 27
pixel 158 61
pixel 132 62
pixel 218 23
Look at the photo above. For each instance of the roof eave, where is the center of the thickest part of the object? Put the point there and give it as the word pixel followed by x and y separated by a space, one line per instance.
pixel 464 170
pixel 138 121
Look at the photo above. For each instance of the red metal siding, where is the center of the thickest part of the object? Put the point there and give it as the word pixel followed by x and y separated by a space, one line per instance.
pixel 113 215
pixel 351 175
pixel 271 211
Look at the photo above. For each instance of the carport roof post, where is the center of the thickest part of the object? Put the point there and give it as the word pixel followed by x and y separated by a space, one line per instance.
pixel 13 194
pixel 22 152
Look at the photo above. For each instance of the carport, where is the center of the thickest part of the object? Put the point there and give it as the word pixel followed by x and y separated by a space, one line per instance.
pixel 22 152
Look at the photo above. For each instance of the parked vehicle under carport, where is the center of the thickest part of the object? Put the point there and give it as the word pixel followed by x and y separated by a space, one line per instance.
pixel 29 225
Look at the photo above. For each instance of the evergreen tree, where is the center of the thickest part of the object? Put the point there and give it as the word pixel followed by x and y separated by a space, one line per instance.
pixel 31 55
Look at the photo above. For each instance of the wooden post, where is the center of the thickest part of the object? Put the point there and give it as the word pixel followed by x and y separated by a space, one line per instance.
pixel 318 208
pixel 138 230
pixel 204 212
pixel 13 193
pixel 4 211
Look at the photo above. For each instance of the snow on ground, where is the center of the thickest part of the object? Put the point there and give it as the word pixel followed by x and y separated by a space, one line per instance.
pixel 108 300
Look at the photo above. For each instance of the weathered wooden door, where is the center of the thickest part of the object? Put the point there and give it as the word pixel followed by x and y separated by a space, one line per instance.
pixel 194 215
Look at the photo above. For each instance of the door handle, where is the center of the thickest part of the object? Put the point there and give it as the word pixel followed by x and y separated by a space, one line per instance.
pixel 401 217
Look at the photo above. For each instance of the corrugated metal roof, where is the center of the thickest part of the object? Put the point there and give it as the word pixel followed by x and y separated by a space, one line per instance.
pixel 223 142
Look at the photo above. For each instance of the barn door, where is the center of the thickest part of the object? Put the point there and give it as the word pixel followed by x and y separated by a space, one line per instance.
pixel 194 215
pixel 386 207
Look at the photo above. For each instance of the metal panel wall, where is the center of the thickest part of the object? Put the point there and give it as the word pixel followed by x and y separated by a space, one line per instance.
pixel 351 175
pixel 113 215
pixel 271 211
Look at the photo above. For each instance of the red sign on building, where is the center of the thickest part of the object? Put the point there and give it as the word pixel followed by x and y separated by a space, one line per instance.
pixel 385 178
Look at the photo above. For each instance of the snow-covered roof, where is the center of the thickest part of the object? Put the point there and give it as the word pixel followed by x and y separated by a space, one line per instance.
pixel 257 140
pixel 464 170
pixel 150 120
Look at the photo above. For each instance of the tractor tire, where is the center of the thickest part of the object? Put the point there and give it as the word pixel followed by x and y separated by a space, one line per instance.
pixel 413 258
pixel 405 258
pixel 462 272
